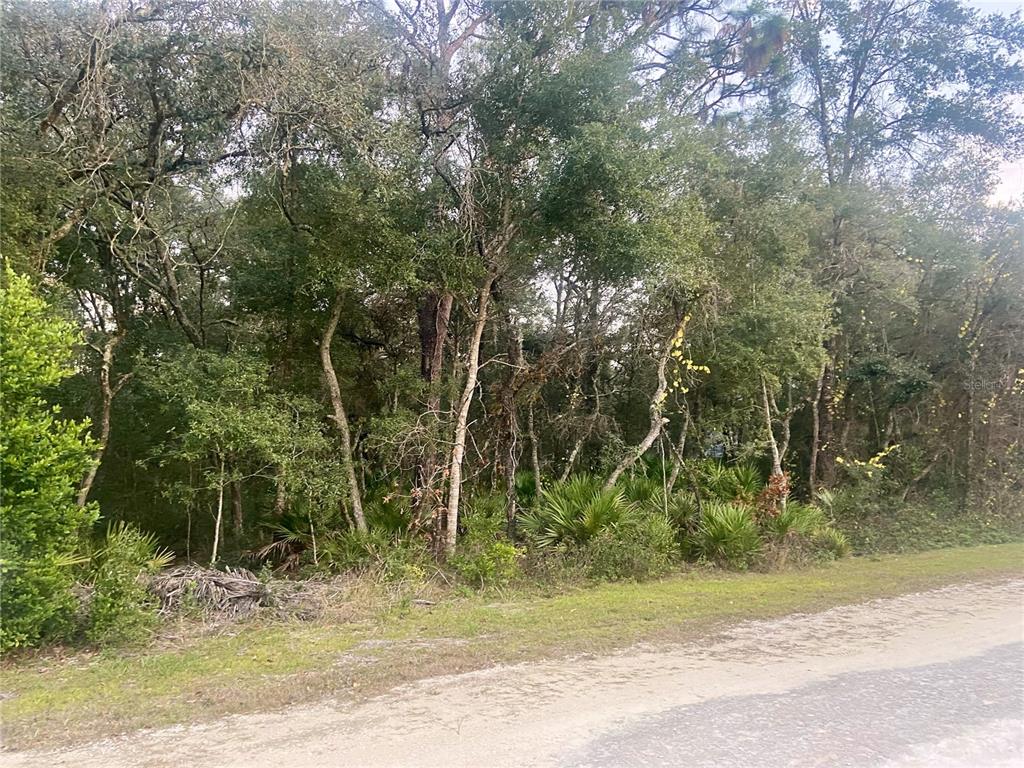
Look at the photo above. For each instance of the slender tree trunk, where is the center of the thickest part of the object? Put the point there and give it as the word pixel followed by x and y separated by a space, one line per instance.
pixel 511 437
pixel 812 471
pixel 107 394
pixel 451 523
pixel 220 516
pixel 511 465
pixel 339 416
pixel 657 418
pixel 534 452
pixel 679 451
pixel 434 316
pixel 237 520
pixel 776 459
pixel 826 428
pixel 280 495
pixel 570 462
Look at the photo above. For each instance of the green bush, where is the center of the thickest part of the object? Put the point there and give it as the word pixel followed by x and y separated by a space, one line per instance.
pixel 684 513
pixel 484 556
pixel 832 541
pixel 795 519
pixel 121 608
pixel 495 563
pixel 574 512
pixel 642 490
pixel 742 482
pixel 746 482
pixel 640 546
pixel 883 524
pixel 385 555
pixel 42 459
pixel 715 479
pixel 801 531
pixel 727 535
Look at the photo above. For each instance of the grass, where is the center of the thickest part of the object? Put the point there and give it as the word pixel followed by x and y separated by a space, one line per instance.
pixel 258 666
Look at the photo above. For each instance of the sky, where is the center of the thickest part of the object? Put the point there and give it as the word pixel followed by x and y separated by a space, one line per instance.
pixel 1010 188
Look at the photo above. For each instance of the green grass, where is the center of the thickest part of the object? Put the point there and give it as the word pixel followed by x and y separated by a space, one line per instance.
pixel 49 700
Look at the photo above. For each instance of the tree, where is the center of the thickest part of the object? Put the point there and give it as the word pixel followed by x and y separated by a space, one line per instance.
pixel 43 457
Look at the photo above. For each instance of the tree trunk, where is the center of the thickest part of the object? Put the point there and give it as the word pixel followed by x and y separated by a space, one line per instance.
pixel 280 495
pixel 812 471
pixel 434 315
pixel 534 452
pixel 826 450
pixel 107 393
pixel 451 522
pixel 511 437
pixel 657 419
pixel 339 417
pixel 678 451
pixel 776 459
pixel 570 462
pixel 220 516
pixel 237 520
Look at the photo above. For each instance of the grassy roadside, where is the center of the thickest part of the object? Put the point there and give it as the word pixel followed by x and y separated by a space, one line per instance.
pixel 48 701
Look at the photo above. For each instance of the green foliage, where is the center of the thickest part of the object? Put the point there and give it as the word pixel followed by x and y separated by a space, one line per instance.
pixel 741 483
pixel 42 458
pixel 802 531
pixel 727 535
pixel 640 489
pixel 640 546
pixel 715 480
pixel 832 242
pixel 574 511
pixel 121 608
pixel 526 488
pixel 485 557
pixel 795 519
pixel 684 513
pixel 832 541
pixel 884 524
pixel 491 564
pixel 747 482
pixel 385 556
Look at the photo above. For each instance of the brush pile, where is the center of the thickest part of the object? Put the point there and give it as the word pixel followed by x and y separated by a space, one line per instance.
pixel 229 593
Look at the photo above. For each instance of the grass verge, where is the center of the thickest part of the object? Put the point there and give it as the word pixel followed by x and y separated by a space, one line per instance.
pixel 48 701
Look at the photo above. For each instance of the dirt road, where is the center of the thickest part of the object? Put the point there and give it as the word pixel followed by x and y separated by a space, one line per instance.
pixel 930 679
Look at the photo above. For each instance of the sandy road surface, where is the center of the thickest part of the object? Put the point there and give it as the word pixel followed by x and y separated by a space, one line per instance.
pixel 930 679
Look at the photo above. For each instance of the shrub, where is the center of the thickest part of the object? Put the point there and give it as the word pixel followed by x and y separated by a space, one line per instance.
pixel 832 541
pixel 121 607
pixel 485 557
pixel 640 546
pixel 881 524
pixel 389 512
pixel 715 480
pixel 795 519
pixel 483 517
pixel 745 482
pixel 385 555
pixel 684 512
pixel 727 534
pixel 574 512
pixel 495 563
pixel 526 488
pixel 42 458
pixel 642 490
